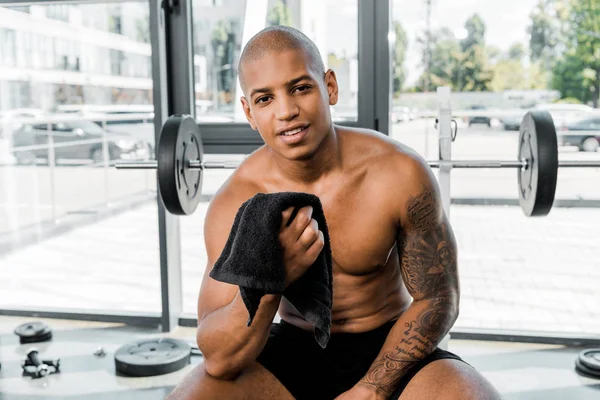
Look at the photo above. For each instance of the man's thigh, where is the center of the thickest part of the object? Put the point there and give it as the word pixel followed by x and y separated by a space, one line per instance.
pixel 255 383
pixel 449 380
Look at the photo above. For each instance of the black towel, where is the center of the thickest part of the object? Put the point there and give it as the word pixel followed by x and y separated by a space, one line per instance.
pixel 253 260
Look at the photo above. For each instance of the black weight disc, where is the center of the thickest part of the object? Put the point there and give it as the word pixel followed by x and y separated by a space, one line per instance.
pixel 43 337
pixel 33 332
pixel 538 145
pixel 149 357
pixel 180 142
pixel 585 371
pixel 591 359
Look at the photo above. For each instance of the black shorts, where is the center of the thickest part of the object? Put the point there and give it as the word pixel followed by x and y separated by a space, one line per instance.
pixel 309 372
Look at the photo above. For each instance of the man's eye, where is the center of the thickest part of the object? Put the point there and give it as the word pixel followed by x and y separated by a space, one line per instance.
pixel 263 99
pixel 302 88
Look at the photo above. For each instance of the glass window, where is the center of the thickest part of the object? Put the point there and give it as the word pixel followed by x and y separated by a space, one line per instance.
pixel 502 59
pixel 59 12
pixel 219 29
pixel 75 233
pixel 9 56
pixel 25 9
pixel 49 51
pixel 36 51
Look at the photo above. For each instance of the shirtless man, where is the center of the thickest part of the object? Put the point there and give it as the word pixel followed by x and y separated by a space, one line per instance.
pixel 395 283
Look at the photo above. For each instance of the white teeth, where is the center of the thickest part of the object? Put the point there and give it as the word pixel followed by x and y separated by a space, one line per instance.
pixel 289 133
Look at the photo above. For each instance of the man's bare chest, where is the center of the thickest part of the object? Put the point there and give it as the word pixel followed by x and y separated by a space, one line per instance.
pixel 362 231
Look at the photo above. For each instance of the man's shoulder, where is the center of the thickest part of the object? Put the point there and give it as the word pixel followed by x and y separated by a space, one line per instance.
pixel 384 155
pixel 393 170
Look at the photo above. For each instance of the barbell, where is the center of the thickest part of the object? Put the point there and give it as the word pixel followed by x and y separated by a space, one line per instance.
pixel 180 163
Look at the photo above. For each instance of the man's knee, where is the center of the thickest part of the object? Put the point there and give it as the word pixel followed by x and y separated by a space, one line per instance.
pixel 197 384
pixel 449 380
pixel 255 382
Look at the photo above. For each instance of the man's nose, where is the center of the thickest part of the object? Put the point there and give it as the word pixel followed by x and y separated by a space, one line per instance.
pixel 287 108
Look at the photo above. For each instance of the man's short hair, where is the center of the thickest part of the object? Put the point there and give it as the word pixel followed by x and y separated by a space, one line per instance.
pixel 278 39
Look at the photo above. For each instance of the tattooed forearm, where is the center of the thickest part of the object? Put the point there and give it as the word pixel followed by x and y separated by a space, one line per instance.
pixel 434 320
pixel 419 338
pixel 387 370
pixel 428 267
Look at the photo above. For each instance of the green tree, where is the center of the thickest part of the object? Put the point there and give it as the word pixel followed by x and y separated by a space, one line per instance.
pixel 543 33
pixel 548 34
pixel 475 33
pixel 223 43
pixel 399 56
pixel 461 65
pixel 576 73
pixel 451 66
pixel 509 75
pixel 445 60
pixel 585 36
pixel 538 76
pixel 494 54
pixel 571 79
pixel 475 71
pixel 279 14
pixel 516 52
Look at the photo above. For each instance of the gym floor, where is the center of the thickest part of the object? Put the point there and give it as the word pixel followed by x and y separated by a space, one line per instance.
pixel 518 370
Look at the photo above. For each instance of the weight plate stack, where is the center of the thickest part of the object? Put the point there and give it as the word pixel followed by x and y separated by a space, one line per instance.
pixel 33 332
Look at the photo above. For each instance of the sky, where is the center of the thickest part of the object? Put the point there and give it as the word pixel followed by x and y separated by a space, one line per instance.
pixel 506 23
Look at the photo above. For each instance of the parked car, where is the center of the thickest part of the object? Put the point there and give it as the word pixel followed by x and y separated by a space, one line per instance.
pixel 512 122
pixel 136 120
pixel 74 140
pixel 10 120
pixel 561 112
pixel 479 119
pixel 583 133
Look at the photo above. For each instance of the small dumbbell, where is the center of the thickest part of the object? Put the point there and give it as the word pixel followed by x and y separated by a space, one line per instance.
pixel 100 352
pixel 40 368
pixel 33 359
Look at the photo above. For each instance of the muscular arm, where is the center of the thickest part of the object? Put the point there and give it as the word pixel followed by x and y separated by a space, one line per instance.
pixel 228 344
pixel 428 265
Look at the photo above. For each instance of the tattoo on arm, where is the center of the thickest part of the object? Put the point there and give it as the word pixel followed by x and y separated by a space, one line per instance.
pixel 428 262
pixel 429 258
pixel 387 370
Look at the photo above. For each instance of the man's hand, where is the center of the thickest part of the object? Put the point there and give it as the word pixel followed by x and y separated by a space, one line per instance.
pixel 359 392
pixel 301 242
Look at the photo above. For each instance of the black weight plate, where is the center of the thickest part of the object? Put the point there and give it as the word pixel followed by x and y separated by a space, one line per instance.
pixel 584 370
pixel 180 142
pixel 591 359
pixel 149 357
pixel 538 145
pixel 32 330
pixel 43 337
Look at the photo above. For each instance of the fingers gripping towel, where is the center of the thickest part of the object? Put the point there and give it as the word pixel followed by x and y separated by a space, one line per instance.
pixel 253 260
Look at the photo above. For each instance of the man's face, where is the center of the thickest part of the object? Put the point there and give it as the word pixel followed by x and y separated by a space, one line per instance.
pixel 288 102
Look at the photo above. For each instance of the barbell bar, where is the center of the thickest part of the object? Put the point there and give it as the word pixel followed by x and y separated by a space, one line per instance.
pixel 476 164
pixel 192 164
pixel 180 164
